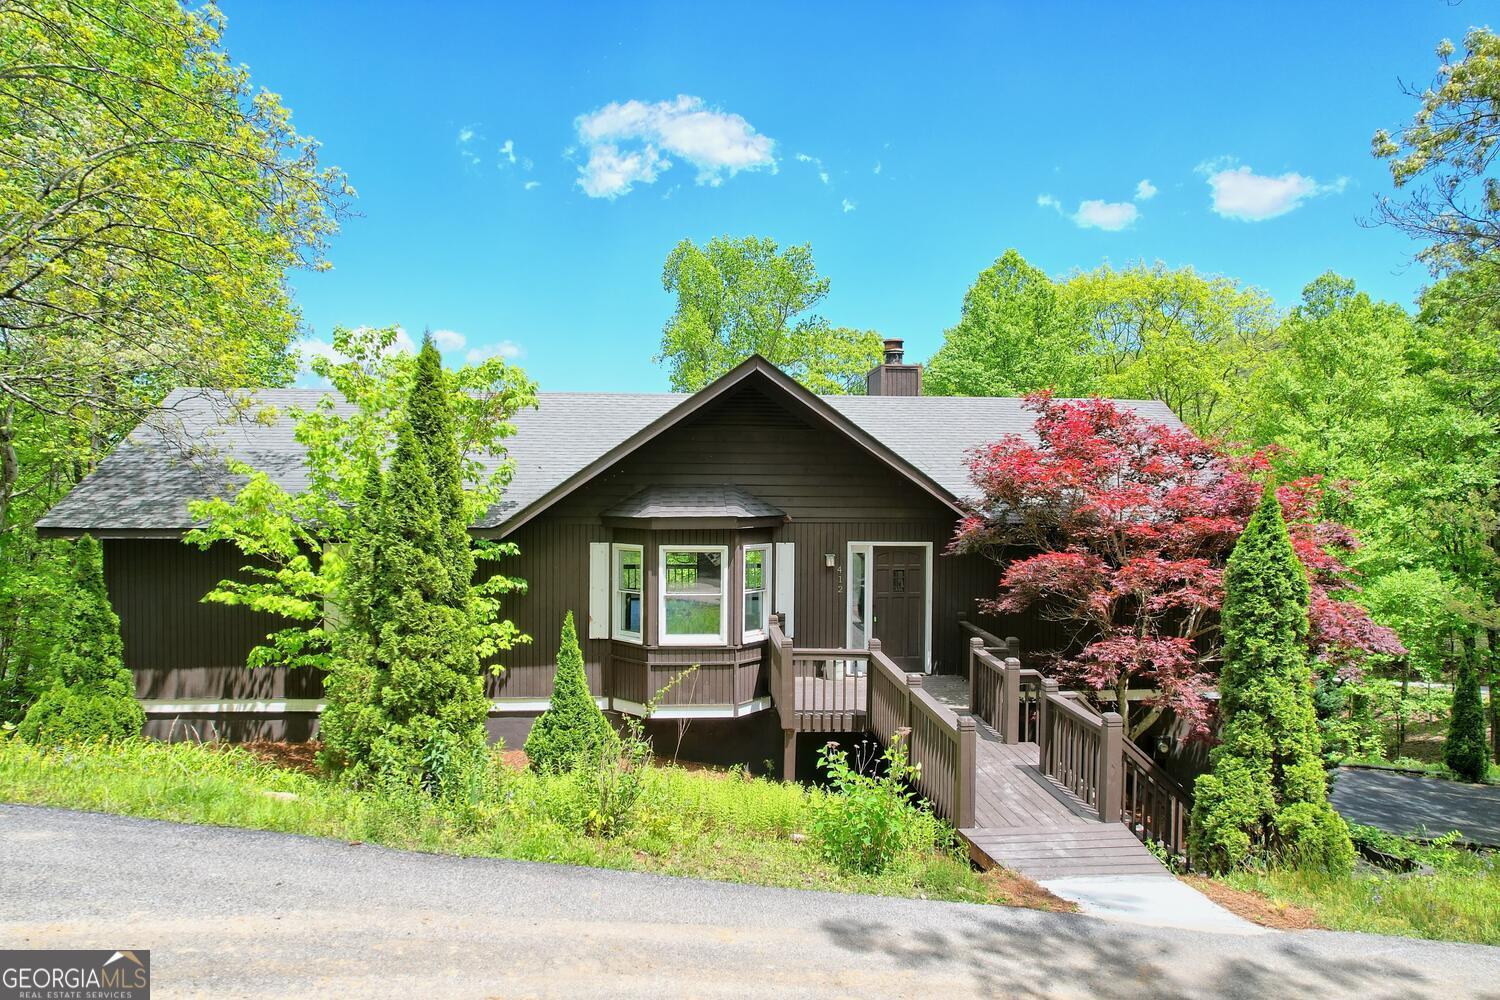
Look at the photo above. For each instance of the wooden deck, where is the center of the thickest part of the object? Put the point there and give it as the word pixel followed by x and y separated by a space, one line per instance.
pixel 1027 823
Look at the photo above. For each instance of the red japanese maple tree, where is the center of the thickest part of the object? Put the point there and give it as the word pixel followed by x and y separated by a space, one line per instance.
pixel 1128 524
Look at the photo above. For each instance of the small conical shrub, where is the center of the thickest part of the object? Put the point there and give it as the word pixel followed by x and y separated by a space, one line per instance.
pixel 92 693
pixel 1265 793
pixel 1465 751
pixel 573 730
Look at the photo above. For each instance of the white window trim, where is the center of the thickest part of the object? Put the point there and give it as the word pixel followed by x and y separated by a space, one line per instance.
pixel 662 638
pixel 869 549
pixel 615 590
pixel 767 589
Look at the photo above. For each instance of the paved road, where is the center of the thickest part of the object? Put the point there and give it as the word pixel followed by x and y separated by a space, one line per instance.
pixel 239 913
pixel 1409 804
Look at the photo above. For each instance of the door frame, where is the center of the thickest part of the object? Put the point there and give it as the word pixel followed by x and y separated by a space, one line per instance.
pixel 849 584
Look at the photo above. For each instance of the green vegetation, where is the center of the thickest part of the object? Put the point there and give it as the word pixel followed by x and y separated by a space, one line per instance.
pixel 709 825
pixel 572 731
pixel 738 297
pixel 870 820
pixel 407 704
pixel 1464 751
pixel 91 695
pixel 155 202
pixel 1264 797
pixel 1458 901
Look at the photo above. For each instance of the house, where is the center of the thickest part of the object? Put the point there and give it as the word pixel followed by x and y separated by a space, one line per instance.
pixel 673 525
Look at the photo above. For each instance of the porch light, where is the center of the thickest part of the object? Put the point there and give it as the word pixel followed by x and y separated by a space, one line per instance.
pixel 828 559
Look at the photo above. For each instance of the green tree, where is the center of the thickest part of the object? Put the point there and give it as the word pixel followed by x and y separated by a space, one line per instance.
pixel 1443 158
pixel 92 693
pixel 572 730
pixel 297 544
pixel 1018 332
pixel 1265 792
pixel 1464 750
pixel 738 297
pixel 407 703
pixel 1174 335
pixel 153 203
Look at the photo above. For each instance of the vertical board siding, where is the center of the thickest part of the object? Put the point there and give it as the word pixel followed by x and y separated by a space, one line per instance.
pixel 832 492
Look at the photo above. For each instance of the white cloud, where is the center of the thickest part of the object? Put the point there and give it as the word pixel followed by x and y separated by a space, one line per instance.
pixel 532 185
pixel 849 206
pixel 508 150
pixel 1240 193
pixel 1145 190
pixel 817 164
pixel 465 143
pixel 1095 213
pixel 877 166
pixel 507 349
pixel 448 340
pixel 313 347
pixel 633 142
pixel 1108 215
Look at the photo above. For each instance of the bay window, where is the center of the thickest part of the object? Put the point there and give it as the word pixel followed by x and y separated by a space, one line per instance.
pixel 627 579
pixel 692 589
pixel 757 590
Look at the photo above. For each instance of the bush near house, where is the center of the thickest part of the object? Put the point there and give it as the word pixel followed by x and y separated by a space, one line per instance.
pixel 573 730
pixel 92 694
pixel 1265 797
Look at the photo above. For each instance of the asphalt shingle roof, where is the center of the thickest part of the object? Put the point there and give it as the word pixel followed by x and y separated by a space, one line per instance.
pixel 146 482
pixel 693 501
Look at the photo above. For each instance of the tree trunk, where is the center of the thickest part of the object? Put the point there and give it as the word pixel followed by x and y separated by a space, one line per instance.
pixel 1401 707
pixel 1492 678
pixel 10 469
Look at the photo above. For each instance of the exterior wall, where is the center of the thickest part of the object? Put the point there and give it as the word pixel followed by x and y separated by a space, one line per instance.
pixel 833 493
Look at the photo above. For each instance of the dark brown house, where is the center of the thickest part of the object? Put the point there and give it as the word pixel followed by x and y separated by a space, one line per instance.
pixel 673 526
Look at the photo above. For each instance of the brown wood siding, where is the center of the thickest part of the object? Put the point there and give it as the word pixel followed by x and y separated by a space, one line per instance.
pixel 832 491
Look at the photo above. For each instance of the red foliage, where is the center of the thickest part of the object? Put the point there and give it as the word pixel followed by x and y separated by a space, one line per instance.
pixel 1130 523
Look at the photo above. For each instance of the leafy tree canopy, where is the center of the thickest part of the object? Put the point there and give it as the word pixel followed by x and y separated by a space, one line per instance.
pixel 738 297
pixel 296 542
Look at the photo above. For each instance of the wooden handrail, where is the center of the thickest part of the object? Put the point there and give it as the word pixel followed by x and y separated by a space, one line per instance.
pixel 941 742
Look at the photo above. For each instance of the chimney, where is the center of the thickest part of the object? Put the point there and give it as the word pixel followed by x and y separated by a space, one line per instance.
pixel 893 377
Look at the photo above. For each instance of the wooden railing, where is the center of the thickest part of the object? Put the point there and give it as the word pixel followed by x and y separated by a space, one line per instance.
pixel 1153 804
pixel 1081 751
pixel 940 742
pixel 1003 693
pixel 783 677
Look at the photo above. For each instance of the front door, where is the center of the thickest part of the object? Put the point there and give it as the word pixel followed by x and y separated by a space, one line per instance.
pixel 898 604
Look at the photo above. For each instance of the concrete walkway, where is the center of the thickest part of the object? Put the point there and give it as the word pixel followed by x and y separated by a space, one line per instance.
pixel 1150 900
pixel 1412 805
pixel 245 914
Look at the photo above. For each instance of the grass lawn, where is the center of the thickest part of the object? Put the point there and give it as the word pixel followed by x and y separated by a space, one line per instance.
pixel 1459 901
pixel 717 825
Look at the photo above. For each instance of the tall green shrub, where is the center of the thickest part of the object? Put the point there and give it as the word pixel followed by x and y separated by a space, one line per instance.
pixel 406 698
pixel 1265 793
pixel 92 693
pixel 1465 751
pixel 572 731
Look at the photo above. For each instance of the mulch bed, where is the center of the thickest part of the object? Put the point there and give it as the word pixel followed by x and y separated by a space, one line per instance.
pixel 284 754
pixel 1005 886
pixel 1256 908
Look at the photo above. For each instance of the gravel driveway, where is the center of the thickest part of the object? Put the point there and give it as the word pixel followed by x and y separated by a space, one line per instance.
pixel 240 913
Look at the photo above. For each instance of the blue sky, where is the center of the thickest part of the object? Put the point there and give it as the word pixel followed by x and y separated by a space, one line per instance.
pixel 523 172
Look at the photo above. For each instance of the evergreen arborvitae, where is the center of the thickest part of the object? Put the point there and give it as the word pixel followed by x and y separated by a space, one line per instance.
pixel 572 731
pixel 1265 792
pixel 1465 751
pixel 406 699
pixel 431 414
pixel 92 693
pixel 350 719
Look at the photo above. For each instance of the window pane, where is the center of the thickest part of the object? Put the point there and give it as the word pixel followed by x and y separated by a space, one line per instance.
pixel 857 601
pixel 755 569
pixel 695 573
pixel 755 610
pixel 629 574
pixel 692 615
pixel 630 613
